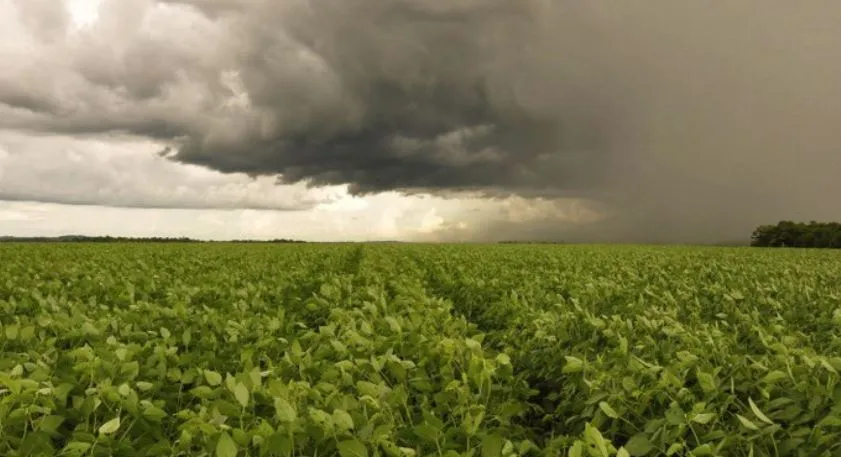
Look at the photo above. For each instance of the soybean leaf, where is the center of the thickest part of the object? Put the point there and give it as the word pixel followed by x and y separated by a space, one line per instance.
pixel 352 448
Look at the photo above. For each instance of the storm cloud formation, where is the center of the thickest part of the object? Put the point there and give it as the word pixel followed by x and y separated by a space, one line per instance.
pixel 683 121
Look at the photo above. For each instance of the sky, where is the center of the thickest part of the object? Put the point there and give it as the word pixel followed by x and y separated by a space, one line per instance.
pixel 418 120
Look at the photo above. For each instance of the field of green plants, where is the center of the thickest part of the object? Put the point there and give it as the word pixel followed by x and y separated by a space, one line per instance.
pixel 396 350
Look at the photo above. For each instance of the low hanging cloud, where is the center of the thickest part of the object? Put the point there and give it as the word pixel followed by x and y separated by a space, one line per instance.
pixel 686 121
pixel 129 174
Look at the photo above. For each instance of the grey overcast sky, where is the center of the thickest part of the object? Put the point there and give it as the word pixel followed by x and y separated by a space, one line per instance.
pixel 418 119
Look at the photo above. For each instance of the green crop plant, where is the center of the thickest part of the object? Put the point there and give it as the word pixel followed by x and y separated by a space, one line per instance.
pixel 229 350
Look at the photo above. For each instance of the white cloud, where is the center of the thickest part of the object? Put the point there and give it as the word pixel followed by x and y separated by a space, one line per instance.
pixel 387 216
pixel 84 12
pixel 11 215
pixel 129 172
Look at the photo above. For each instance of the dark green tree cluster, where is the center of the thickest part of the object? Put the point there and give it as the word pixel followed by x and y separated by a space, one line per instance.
pixel 798 235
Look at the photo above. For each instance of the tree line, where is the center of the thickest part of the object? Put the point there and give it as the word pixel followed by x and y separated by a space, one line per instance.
pixel 121 239
pixel 798 235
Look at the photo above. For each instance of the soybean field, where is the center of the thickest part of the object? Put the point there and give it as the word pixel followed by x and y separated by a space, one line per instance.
pixel 404 350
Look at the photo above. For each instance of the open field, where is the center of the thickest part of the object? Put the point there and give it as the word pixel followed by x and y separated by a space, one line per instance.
pixel 401 350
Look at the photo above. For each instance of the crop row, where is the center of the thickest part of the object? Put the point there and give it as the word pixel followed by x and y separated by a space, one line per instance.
pixel 669 352
pixel 128 356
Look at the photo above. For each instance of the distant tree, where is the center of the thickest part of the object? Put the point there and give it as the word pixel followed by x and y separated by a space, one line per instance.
pixel 764 235
pixel 798 234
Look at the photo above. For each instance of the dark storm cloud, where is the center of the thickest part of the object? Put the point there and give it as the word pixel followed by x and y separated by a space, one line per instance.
pixel 692 121
pixel 412 95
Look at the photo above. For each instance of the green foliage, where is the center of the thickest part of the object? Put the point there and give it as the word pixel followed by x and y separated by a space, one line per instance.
pixel 798 235
pixel 404 350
